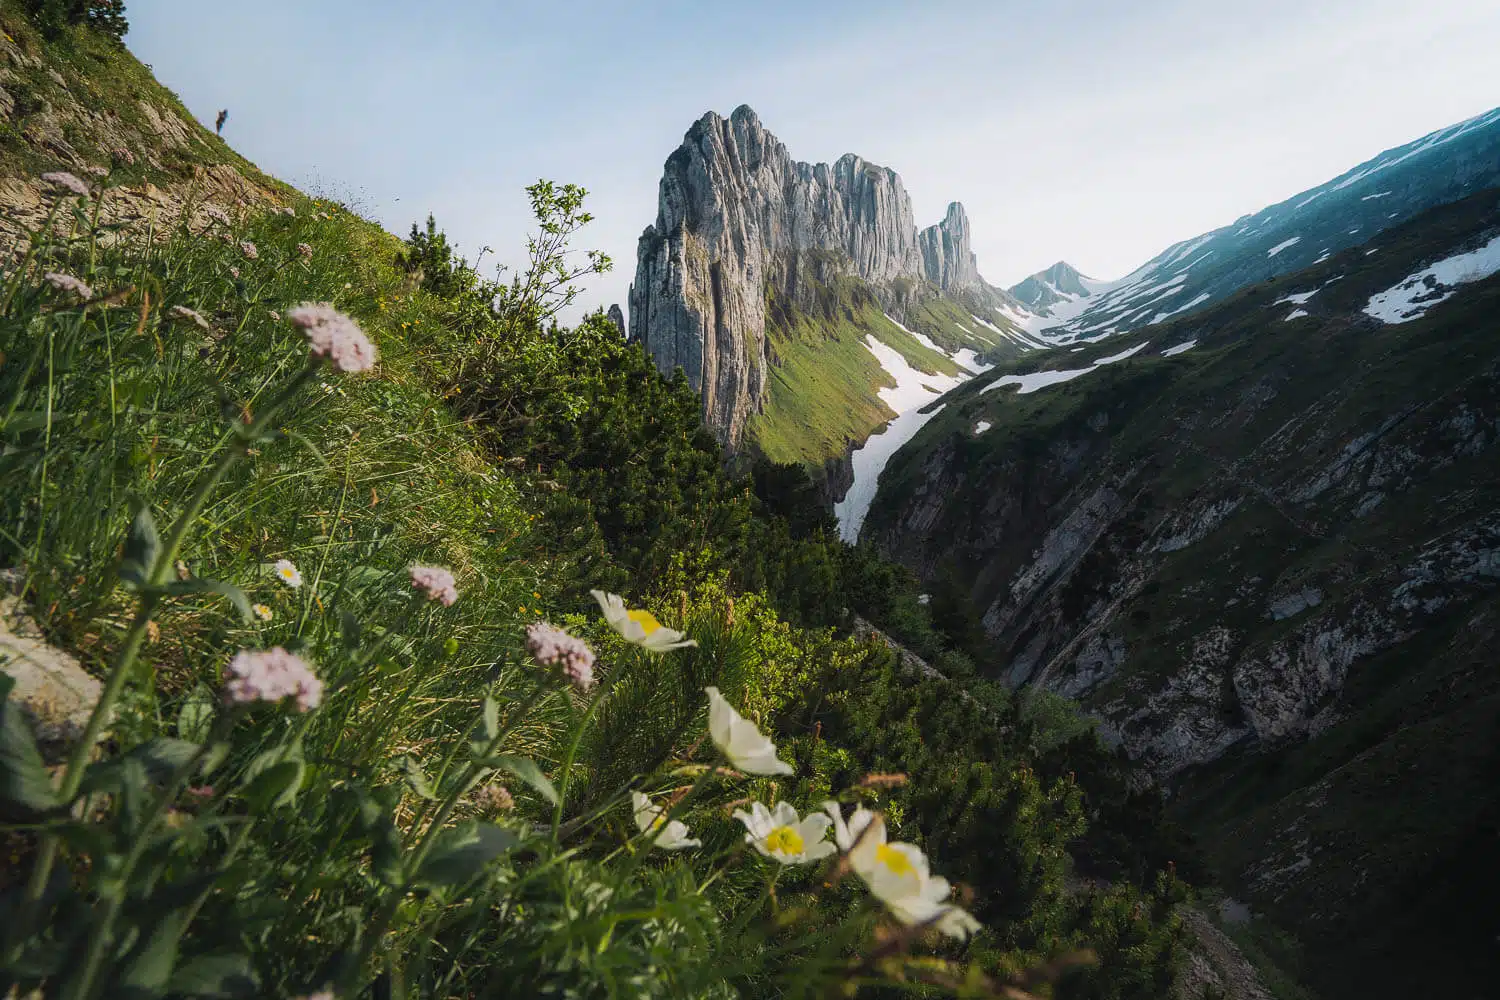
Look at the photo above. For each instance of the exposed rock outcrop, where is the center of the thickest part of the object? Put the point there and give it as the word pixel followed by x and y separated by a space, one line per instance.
pixel 739 218
pixel 52 689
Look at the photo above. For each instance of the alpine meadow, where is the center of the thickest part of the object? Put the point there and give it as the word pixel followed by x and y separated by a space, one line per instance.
pixel 374 625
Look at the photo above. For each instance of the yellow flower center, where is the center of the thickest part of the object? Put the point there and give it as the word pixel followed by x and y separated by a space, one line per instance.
pixel 784 840
pixel 645 619
pixel 286 573
pixel 894 860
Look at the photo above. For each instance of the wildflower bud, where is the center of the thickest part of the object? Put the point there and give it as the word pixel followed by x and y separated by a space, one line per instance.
pixel 248 249
pixel 191 315
pixel 305 250
pixel 68 283
pixel 494 797
pixel 200 793
pixel 436 582
pixel 63 179
pixel 551 646
pixel 272 675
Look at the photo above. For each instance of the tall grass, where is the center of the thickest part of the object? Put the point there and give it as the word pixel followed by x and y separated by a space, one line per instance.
pixel 166 444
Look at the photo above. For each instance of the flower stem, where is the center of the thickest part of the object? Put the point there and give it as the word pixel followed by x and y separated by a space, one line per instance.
pixel 230 452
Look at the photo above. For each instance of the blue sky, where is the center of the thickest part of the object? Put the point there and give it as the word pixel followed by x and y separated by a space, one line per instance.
pixel 1088 130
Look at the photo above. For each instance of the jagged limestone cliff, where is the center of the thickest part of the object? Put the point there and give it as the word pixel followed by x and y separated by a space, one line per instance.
pixel 748 242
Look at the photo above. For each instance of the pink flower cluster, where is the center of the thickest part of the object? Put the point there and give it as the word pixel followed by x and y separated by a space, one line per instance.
pixel 97 170
pixel 305 250
pixel 217 214
pixel 123 155
pixel 248 249
pixel 494 797
pixel 334 336
pixel 68 283
pixel 549 646
pixel 272 675
pixel 436 582
pixel 63 179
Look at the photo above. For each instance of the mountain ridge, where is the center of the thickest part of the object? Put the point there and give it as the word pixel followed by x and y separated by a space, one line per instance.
pixel 756 258
pixel 1262 546
pixel 1397 184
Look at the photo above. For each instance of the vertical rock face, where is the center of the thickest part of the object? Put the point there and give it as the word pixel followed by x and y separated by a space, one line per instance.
pixel 617 317
pixel 738 216
pixel 947 258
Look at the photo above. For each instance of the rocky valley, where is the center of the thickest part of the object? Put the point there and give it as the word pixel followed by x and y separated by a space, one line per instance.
pixel 1242 504
pixel 1262 546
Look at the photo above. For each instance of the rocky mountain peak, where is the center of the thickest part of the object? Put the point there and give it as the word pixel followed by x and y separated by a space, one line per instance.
pixel 737 218
pixel 948 259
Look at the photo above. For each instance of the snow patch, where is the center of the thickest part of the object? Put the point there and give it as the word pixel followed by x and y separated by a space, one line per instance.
pixel 1296 298
pixel 913 390
pixel 1041 380
pixel 1197 300
pixel 1176 349
pixel 1283 245
pixel 1377 194
pixel 982 426
pixel 1414 295
pixel 1296 314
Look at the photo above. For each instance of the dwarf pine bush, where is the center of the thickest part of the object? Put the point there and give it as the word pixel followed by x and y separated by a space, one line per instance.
pixel 363 732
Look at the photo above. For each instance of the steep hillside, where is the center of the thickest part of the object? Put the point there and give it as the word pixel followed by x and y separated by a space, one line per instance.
pixel 88 106
pixel 321 511
pixel 1307 228
pixel 1262 544
pixel 772 283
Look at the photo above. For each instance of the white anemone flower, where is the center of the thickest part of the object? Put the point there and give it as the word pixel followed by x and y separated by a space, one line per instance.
pixel 287 573
pixel 649 818
pixel 638 626
pixel 897 874
pixel 780 834
pixel 738 739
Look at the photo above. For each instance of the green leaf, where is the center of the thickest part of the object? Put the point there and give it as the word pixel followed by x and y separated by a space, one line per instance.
pixel 276 785
pixel 142 546
pixel 217 754
pixel 195 718
pixel 307 444
pixel 491 719
pixel 349 630
pixel 146 971
pixel 26 792
pixel 164 756
pixel 216 976
pixel 416 778
pixel 526 769
pixel 460 853
pixel 200 585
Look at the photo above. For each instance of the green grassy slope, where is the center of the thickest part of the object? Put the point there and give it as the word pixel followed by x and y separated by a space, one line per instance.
pixel 81 101
pixel 373 863
pixel 825 382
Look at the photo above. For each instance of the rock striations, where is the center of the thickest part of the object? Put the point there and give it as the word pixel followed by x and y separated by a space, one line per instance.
pixel 739 218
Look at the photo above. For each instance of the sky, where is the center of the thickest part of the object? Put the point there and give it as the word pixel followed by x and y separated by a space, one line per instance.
pixel 1092 131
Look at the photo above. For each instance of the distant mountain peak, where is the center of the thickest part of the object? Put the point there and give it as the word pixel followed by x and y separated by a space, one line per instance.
pixel 1060 283
pixel 1313 225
